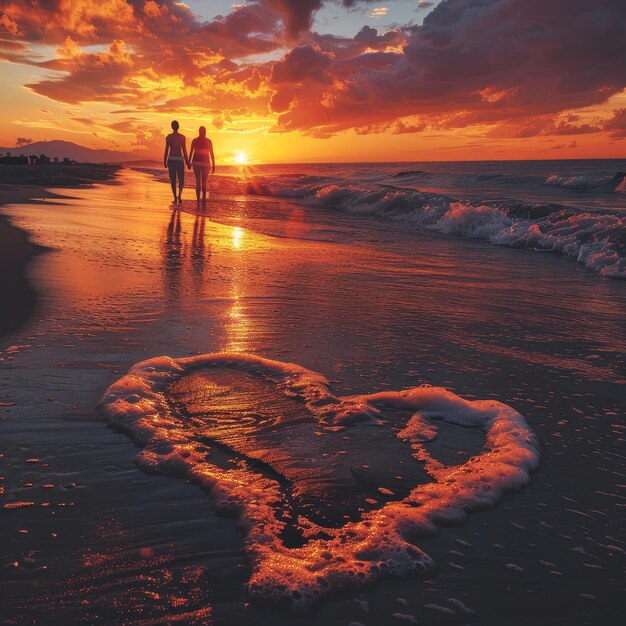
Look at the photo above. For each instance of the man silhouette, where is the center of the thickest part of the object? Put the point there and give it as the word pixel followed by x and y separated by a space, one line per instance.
pixel 174 159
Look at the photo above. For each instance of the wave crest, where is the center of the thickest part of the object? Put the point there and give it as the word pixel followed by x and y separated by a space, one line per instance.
pixel 594 239
pixel 582 183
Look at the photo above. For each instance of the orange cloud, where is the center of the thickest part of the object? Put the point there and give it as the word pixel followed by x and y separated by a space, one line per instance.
pixel 87 20
pixel 9 25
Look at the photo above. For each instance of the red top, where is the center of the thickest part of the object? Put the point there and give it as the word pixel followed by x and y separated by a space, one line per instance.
pixel 201 147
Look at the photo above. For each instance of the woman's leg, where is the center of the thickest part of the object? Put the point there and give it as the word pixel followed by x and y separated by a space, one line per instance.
pixel 205 175
pixel 197 173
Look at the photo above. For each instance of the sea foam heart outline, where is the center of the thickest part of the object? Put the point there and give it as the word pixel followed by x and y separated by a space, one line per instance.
pixel 382 540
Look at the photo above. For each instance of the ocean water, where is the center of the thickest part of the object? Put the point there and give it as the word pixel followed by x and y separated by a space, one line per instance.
pixel 573 208
pixel 393 423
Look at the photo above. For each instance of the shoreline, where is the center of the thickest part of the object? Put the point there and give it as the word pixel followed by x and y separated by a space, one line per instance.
pixel 21 185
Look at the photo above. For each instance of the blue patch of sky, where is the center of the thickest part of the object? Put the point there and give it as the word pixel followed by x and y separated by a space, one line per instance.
pixel 335 19
pixel 209 10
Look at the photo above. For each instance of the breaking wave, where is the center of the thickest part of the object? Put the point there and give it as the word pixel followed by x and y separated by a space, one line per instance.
pixel 596 239
pixel 583 183
pixel 329 491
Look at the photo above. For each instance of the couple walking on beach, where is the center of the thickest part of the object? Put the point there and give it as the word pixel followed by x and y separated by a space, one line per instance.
pixel 175 158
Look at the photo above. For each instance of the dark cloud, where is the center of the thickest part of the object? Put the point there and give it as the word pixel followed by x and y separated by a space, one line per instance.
pixel 303 65
pixel 22 141
pixel 248 29
pixel 480 61
pixel 297 15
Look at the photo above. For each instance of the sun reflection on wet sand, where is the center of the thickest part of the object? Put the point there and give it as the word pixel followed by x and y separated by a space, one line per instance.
pixel 237 237
pixel 239 325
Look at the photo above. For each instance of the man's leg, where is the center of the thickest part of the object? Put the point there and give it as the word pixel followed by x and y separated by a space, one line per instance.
pixel 172 172
pixel 181 180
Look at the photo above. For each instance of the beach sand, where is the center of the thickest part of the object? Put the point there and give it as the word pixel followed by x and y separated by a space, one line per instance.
pixel 90 538
pixel 20 184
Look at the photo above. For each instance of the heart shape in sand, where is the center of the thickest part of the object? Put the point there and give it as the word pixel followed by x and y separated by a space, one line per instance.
pixel 329 491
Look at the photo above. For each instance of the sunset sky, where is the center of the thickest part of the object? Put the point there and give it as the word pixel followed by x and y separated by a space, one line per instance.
pixel 320 80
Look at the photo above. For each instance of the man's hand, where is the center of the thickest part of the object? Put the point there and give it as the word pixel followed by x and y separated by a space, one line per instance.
pixel 165 164
pixel 213 170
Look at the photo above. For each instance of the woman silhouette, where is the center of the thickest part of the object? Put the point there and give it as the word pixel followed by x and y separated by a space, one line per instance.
pixel 202 158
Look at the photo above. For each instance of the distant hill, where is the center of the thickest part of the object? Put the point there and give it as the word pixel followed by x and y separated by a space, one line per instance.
pixel 70 150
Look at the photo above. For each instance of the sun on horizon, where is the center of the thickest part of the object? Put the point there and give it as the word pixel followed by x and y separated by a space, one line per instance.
pixel 240 158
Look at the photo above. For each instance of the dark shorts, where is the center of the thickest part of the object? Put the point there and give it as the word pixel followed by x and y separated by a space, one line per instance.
pixel 176 169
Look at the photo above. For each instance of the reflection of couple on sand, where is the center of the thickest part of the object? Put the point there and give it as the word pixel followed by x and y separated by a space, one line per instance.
pixel 201 157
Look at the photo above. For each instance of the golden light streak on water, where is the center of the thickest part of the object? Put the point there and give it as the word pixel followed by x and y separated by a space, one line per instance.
pixel 237 237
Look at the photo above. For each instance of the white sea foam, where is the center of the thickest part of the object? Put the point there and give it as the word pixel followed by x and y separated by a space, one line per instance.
pixel 598 240
pixel 583 183
pixel 148 405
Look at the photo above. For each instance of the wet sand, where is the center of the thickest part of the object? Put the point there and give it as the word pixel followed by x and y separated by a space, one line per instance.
pixel 89 538
pixel 18 296
pixel 23 184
